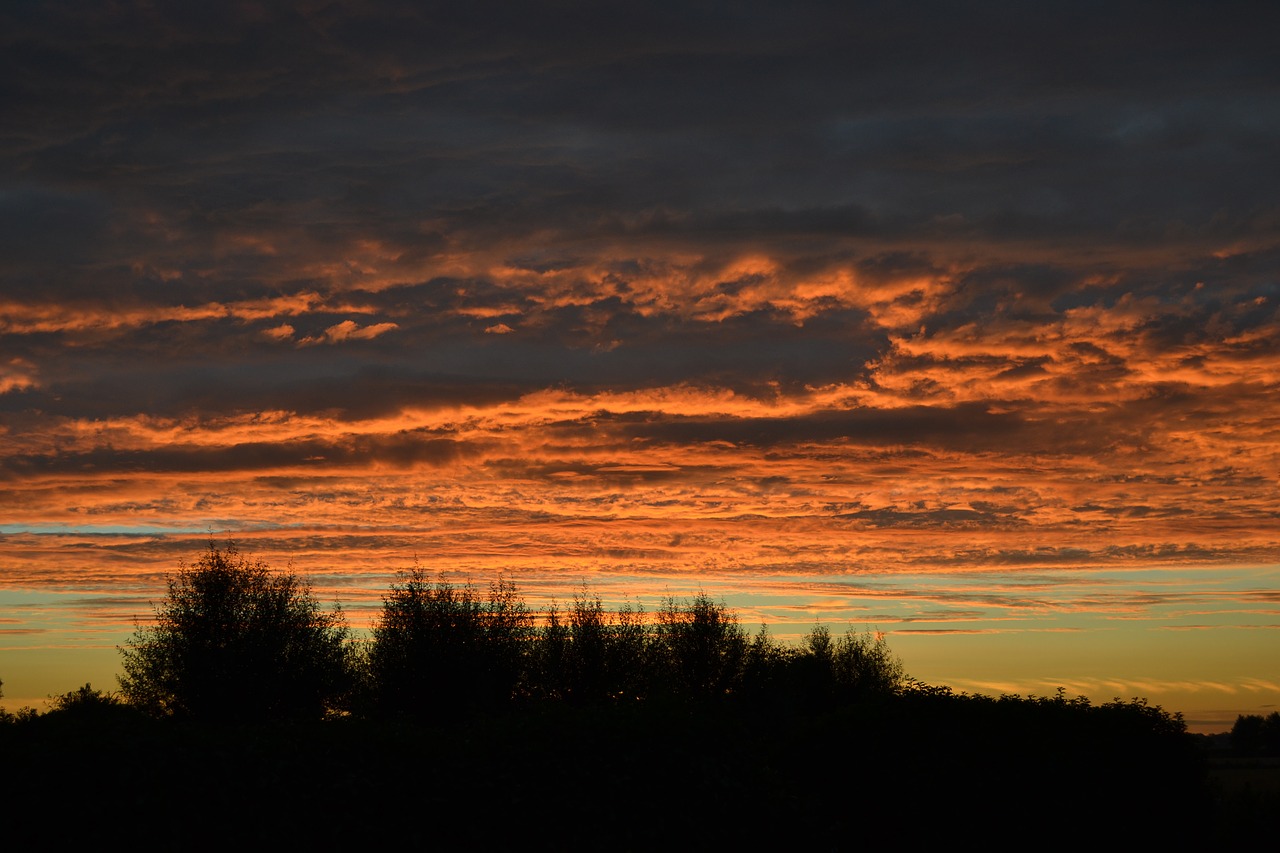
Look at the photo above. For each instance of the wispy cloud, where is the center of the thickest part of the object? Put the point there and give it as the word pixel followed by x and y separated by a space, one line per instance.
pixel 348 330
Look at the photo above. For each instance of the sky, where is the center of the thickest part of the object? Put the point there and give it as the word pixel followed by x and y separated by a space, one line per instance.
pixel 955 321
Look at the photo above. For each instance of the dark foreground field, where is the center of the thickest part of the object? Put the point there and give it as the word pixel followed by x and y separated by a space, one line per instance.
pixel 899 769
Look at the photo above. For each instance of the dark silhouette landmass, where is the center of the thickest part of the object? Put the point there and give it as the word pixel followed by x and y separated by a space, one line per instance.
pixel 248 715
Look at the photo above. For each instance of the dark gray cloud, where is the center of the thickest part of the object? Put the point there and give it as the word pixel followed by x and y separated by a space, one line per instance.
pixel 1133 122
pixel 349 210
pixel 400 450
pixel 962 425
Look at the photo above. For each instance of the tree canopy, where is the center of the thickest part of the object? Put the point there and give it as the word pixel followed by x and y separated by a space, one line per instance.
pixel 438 648
pixel 233 638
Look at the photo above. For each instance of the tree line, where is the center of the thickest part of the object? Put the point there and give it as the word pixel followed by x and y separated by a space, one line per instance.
pixel 467 699
pixel 234 639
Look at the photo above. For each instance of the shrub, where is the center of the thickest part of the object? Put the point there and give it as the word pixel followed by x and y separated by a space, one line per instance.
pixel 84 700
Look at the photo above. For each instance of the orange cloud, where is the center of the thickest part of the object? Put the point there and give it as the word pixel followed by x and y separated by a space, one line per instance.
pixel 17 374
pixel 348 330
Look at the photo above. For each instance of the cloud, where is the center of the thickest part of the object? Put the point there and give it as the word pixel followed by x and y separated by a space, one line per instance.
pixel 283 332
pixel 894 313
pixel 348 330
pixel 397 450
pixel 932 631
pixel 17 374
pixel 910 289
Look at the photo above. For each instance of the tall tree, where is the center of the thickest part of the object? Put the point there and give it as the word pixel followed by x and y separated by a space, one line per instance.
pixel 439 649
pixel 233 639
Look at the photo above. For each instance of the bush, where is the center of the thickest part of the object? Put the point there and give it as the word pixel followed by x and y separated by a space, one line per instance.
pixel 233 639
pixel 84 701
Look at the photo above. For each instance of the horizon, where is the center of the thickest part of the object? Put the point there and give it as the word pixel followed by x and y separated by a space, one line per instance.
pixel 955 324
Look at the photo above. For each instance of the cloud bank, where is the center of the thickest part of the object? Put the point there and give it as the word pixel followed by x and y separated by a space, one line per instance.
pixel 649 288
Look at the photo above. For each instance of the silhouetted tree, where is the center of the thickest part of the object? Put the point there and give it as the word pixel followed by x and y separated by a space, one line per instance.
pixel 601 655
pixel 767 667
pixel 588 675
pixel 549 661
pixel 811 669
pixel 507 634
pixel 438 648
pixel 853 665
pixel 1253 734
pixel 701 646
pixel 233 639
pixel 84 700
pixel 629 653
pixel 863 663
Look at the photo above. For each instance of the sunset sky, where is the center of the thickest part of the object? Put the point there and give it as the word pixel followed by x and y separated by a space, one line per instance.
pixel 955 321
